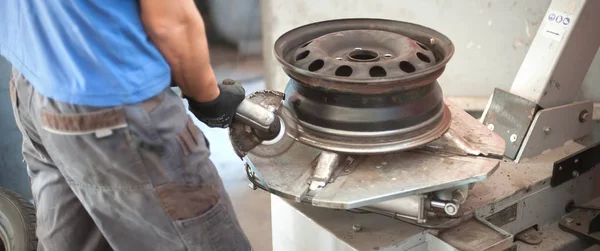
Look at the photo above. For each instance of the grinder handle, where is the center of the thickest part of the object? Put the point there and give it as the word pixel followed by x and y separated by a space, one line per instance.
pixel 257 117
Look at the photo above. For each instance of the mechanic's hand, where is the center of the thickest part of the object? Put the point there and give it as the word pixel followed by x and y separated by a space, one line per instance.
pixel 219 112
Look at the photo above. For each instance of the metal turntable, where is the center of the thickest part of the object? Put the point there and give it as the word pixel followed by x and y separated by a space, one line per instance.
pixel 363 124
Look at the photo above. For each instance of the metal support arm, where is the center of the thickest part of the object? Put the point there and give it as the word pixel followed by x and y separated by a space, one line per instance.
pixel 548 81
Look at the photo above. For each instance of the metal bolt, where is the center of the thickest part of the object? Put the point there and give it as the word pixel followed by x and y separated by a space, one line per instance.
pixel 339 58
pixel 583 116
pixel 450 209
pixel 576 160
pixel 357 228
pixel 491 126
pixel 432 40
pixel 547 130
pixel 560 168
pixel 575 173
pixel 513 138
pixel 569 220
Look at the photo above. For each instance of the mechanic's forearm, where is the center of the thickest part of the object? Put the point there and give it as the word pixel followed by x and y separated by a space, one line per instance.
pixel 186 50
pixel 179 34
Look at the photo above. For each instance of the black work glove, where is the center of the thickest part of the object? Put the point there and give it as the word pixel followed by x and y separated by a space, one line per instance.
pixel 219 112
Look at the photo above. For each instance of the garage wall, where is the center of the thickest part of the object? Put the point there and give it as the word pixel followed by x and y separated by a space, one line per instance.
pixel 13 174
pixel 491 36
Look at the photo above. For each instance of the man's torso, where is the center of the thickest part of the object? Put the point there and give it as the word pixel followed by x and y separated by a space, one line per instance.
pixel 83 52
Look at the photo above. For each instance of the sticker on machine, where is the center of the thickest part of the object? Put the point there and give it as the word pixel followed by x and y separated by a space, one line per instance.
pixel 556 24
pixel 554 32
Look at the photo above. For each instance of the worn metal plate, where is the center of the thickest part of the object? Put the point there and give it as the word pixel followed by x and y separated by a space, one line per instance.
pixel 386 177
pixel 287 175
pixel 507 115
pixel 477 235
pixel 510 183
pixel 530 236
pixel 575 164
pixel 378 178
pixel 474 139
pixel 552 127
pixel 578 221
pixel 503 217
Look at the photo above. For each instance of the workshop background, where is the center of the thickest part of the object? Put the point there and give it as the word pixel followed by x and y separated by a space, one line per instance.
pixel 491 39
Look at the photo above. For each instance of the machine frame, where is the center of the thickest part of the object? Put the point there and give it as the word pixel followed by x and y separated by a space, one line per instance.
pixel 517 207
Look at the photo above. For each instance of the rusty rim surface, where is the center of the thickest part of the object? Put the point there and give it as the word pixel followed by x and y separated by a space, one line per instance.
pixel 365 85
pixel 392 41
pixel 381 54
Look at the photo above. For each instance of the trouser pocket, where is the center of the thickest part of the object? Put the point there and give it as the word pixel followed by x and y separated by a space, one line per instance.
pixel 94 147
pixel 220 231
pixel 202 217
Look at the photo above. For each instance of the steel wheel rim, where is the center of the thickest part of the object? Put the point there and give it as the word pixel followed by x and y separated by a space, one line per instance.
pixel 365 86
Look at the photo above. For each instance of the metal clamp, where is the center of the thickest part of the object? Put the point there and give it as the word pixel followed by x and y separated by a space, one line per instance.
pixel 575 165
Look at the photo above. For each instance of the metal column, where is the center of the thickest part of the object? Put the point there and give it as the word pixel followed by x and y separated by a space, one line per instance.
pixel 550 77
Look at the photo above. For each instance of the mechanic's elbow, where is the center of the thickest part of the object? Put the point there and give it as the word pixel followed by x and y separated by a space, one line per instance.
pixel 166 29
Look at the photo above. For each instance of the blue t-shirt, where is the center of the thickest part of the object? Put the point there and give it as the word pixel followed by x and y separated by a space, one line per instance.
pixel 86 52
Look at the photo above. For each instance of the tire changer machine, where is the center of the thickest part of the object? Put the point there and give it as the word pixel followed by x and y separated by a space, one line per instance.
pixel 363 152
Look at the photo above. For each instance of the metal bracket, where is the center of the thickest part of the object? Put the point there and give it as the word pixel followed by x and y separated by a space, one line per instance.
pixel 255 173
pixel 410 207
pixel 530 236
pixel 509 116
pixel 552 127
pixel 575 165
pixel 325 165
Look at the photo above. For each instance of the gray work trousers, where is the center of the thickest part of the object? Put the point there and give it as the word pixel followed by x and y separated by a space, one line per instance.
pixel 133 177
